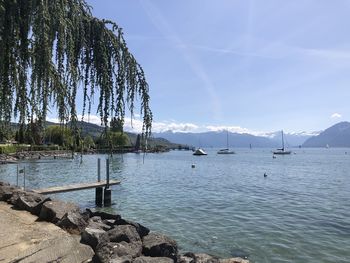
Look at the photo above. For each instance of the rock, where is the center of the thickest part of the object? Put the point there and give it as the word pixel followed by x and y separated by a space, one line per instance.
pixel 4 184
pixel 142 230
pixel 31 202
pixel 53 211
pixel 15 195
pixel 96 222
pixel 110 222
pixel 185 259
pixel 234 260
pixel 153 260
pixel 24 239
pixel 6 192
pixel 93 237
pixel 202 258
pixel 125 233
pixel 112 250
pixel 73 222
pixel 125 259
pixel 103 215
pixel 158 245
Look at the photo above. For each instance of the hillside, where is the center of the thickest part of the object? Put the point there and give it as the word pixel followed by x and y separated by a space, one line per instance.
pixel 218 139
pixel 336 136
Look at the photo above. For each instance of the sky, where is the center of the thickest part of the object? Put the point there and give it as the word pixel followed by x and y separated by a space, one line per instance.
pixel 243 65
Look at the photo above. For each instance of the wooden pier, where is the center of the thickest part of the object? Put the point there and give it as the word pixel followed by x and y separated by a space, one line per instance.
pixel 76 187
pixel 103 192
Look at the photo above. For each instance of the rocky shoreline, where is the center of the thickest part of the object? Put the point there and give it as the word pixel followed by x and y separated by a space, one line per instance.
pixel 112 238
pixel 33 155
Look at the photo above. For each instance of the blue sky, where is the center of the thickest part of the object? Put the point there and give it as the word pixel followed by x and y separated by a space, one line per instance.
pixel 250 65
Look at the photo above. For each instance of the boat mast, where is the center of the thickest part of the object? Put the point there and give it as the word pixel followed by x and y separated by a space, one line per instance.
pixel 227 139
pixel 282 142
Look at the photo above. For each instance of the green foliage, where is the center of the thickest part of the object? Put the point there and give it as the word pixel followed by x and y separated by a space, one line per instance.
pixel 50 48
pixel 89 142
pixel 113 140
pixel 59 135
pixel 6 149
pixel 117 125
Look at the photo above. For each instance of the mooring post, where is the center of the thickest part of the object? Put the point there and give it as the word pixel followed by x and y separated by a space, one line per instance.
pixel 17 175
pixel 107 173
pixel 107 192
pixel 99 190
pixel 24 178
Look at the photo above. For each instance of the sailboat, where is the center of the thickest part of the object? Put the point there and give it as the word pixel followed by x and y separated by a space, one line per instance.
pixel 282 150
pixel 226 150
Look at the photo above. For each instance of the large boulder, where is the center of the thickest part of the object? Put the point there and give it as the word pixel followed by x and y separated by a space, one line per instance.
pixel 6 192
pixel 142 230
pixel 125 259
pixel 93 237
pixel 16 193
pixel 202 258
pixel 185 259
pixel 113 250
pixel 31 202
pixel 73 222
pixel 4 184
pixel 153 260
pixel 125 233
pixel 103 215
pixel 53 211
pixel 234 260
pixel 158 245
pixel 96 222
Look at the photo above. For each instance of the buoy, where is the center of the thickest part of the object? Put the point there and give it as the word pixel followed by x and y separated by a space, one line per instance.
pixel 265 175
pixel 193 166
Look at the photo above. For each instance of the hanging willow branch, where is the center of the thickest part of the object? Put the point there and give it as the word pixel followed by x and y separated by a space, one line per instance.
pixel 51 50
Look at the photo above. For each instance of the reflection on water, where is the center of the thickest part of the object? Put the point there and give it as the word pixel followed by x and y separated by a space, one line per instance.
pixel 223 206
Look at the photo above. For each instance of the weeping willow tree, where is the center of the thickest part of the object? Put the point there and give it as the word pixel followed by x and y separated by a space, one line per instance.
pixel 52 51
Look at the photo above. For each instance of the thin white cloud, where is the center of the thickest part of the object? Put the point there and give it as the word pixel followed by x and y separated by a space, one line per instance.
pixel 161 24
pixel 336 115
pixel 233 129
pixel 135 126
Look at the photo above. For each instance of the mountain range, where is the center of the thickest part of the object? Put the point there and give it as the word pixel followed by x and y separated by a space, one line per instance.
pixel 336 136
pixel 218 139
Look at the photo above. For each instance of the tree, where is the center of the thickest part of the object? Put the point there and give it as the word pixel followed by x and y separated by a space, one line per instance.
pixel 112 140
pixel 51 51
pixel 117 125
pixel 89 142
pixel 59 135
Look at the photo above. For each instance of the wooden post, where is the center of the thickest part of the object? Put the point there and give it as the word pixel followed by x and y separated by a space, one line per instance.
pixel 98 170
pixel 99 196
pixel 24 178
pixel 17 175
pixel 107 197
pixel 107 192
pixel 107 173
pixel 99 190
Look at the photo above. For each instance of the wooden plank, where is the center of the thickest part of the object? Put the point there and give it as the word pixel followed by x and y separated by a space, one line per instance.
pixel 74 187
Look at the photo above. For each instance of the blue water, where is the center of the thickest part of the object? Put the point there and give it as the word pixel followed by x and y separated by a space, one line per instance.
pixel 224 206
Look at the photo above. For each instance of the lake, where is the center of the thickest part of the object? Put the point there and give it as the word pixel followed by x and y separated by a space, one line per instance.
pixel 224 206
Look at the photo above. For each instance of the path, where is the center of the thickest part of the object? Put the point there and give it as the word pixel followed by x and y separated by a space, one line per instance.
pixel 23 239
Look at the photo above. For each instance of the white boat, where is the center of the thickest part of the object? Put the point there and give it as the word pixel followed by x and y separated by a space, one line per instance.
pixel 199 151
pixel 282 150
pixel 226 150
